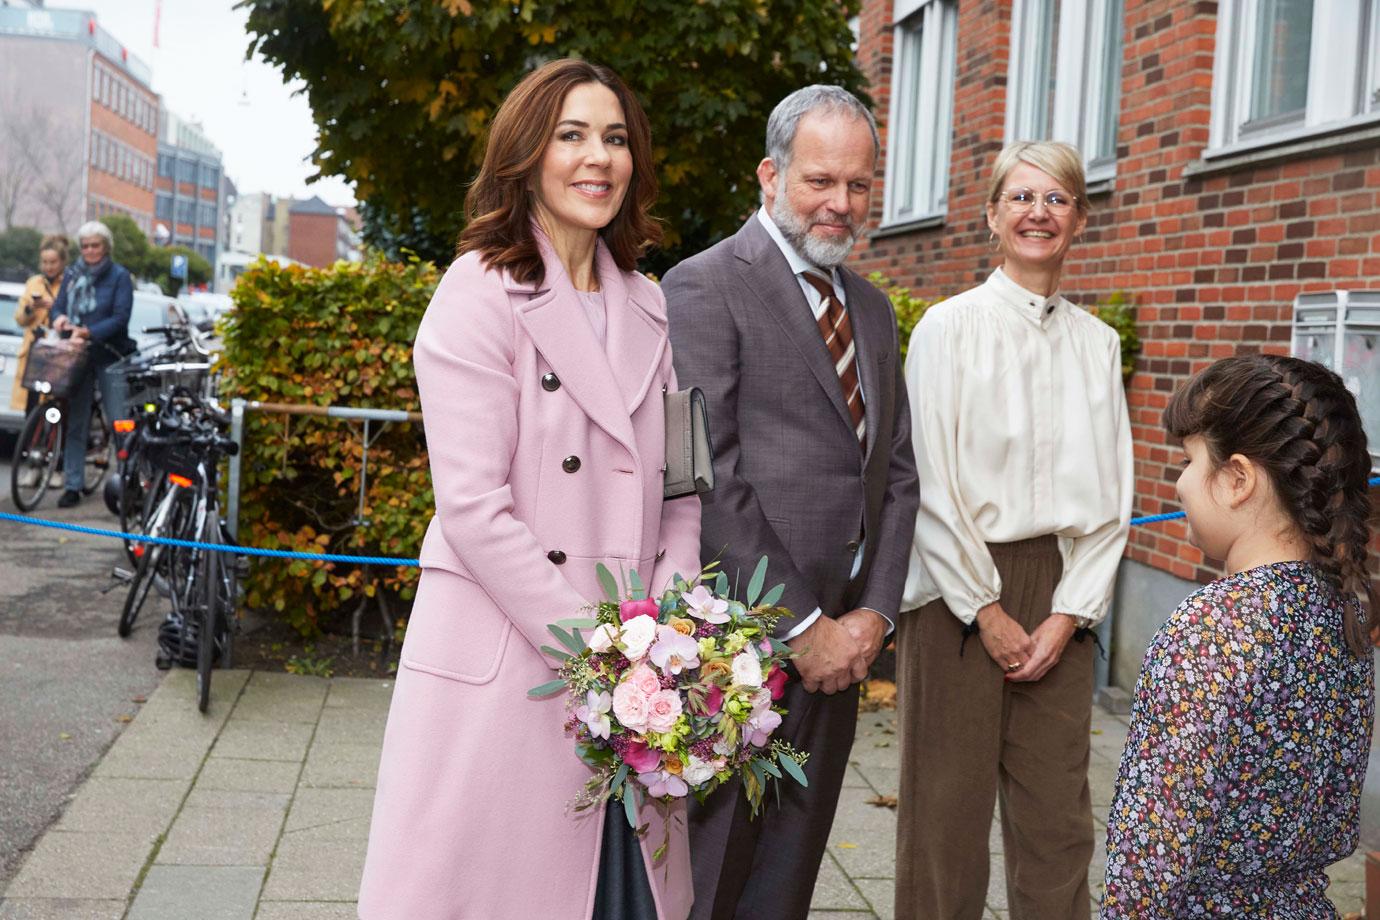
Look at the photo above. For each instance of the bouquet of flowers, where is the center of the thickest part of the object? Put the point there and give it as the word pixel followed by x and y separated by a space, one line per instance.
pixel 676 695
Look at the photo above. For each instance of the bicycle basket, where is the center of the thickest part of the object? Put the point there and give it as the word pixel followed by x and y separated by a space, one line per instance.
pixel 55 366
pixel 178 460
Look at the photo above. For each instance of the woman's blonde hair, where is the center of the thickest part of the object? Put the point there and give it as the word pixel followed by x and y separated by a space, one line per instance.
pixel 1061 161
pixel 57 243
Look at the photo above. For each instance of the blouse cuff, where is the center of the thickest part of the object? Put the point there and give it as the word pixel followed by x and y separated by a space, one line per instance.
pixel 967 609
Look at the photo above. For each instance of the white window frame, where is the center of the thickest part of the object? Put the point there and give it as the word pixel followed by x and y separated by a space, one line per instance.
pixel 1080 88
pixel 920 123
pixel 1343 75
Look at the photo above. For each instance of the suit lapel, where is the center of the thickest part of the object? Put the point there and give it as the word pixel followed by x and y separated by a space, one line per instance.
pixel 559 328
pixel 867 347
pixel 768 276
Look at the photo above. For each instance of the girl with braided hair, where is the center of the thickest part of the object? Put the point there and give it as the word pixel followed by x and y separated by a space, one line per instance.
pixel 1241 779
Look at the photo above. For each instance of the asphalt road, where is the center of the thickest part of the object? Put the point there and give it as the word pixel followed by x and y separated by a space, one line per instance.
pixel 67 682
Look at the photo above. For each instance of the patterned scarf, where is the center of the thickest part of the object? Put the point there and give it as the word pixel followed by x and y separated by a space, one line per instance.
pixel 82 298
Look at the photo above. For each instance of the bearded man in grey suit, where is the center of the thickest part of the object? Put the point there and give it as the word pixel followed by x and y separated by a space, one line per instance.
pixel 798 360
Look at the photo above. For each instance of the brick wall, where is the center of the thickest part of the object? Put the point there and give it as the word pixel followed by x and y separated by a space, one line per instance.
pixel 311 239
pixel 1213 262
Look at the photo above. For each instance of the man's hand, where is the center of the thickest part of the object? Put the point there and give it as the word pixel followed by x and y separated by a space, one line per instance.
pixel 868 629
pixel 827 656
pixel 1049 640
pixel 1006 642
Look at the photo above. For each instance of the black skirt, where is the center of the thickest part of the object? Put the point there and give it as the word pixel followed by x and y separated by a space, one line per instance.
pixel 624 892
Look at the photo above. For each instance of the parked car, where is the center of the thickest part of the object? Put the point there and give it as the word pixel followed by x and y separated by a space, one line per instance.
pixel 11 337
pixel 150 310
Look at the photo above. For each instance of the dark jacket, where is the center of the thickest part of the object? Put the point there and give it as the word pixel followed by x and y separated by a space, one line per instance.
pixel 109 322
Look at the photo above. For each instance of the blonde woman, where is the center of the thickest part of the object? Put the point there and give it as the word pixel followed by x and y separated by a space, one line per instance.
pixel 1023 448
pixel 32 312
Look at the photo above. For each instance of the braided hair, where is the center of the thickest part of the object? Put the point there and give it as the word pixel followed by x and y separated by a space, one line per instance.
pixel 1298 421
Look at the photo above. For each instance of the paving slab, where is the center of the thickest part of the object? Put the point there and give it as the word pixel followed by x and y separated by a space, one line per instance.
pixel 64 864
pixel 223 837
pixel 255 740
pixel 201 892
pixel 359 693
pixel 61 909
pixel 834 890
pixel 312 869
pixel 330 814
pixel 355 726
pixel 341 764
pixel 238 775
pixel 880 894
pixel 130 806
pixel 306 910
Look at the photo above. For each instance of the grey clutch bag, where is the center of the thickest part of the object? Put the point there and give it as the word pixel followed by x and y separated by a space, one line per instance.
pixel 689 453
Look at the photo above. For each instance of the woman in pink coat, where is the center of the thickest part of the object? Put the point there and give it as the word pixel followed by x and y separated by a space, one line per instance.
pixel 541 361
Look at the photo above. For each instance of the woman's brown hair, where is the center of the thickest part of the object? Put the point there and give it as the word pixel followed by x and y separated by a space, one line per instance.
pixel 55 242
pixel 1300 423
pixel 499 204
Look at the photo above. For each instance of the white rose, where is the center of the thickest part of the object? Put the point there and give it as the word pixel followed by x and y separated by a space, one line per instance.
pixel 697 771
pixel 637 637
pixel 747 670
pixel 602 640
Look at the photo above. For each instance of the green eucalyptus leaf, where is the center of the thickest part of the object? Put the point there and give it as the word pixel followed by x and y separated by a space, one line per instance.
pixel 555 653
pixel 759 575
pixel 639 591
pixel 790 766
pixel 607 582
pixel 546 689
pixel 771 597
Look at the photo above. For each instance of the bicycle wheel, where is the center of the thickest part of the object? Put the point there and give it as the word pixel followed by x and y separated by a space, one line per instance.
pixel 98 451
pixel 171 518
pixel 37 453
pixel 208 609
pixel 140 493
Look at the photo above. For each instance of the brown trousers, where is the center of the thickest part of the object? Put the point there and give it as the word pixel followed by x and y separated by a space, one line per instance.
pixel 969 738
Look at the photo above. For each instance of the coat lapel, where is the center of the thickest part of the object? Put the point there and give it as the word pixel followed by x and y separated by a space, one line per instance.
pixel 556 322
pixel 769 277
pixel 636 332
pixel 868 349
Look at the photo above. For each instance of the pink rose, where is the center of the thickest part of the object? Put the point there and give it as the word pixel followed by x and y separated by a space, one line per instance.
pixel 630 706
pixel 776 682
pixel 643 608
pixel 663 709
pixel 640 758
pixel 644 679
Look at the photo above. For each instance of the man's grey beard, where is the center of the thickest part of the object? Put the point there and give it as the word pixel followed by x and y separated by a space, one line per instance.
pixel 796 230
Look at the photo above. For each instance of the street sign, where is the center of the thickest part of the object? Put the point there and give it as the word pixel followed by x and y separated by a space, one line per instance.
pixel 179 267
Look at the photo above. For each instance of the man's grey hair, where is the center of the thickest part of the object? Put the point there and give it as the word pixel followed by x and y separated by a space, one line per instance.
pixel 820 97
pixel 96 228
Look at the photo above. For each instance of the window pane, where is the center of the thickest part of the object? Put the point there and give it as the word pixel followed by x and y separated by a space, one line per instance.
pixel 1283 37
pixel 909 138
pixel 1110 108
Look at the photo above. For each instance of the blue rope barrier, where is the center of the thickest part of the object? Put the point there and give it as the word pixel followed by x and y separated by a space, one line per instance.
pixel 219 547
pixel 359 560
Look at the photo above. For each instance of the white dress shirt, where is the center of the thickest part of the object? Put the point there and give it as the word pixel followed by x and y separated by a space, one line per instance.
pixel 800 265
pixel 1019 421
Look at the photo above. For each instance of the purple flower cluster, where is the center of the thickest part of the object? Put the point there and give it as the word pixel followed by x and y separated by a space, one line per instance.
pixel 707 631
pixel 703 749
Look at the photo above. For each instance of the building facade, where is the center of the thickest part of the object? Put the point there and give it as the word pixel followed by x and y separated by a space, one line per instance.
pixel 189 187
pixel 320 235
pixel 1233 155
pixel 78 123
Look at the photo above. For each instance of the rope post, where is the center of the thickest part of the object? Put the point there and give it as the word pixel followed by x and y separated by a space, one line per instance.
pixel 232 489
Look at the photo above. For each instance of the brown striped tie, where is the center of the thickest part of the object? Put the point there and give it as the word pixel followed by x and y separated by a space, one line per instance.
pixel 834 325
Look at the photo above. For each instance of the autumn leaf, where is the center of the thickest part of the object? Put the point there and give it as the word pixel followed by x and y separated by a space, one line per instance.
pixel 882 801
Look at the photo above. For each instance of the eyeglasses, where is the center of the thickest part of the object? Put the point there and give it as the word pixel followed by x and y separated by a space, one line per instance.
pixel 1021 200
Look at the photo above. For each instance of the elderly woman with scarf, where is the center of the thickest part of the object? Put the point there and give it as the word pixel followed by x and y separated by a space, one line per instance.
pixel 94 304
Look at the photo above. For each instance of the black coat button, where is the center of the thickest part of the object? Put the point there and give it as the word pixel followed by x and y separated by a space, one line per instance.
pixel 556 556
pixel 550 383
pixel 570 464
pixel 852 547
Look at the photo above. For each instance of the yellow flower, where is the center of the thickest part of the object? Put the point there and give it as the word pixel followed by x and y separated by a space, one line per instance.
pixel 682 626
pixel 672 765
pixel 718 668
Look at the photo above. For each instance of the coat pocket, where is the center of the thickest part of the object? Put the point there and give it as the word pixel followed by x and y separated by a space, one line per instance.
pixel 455 630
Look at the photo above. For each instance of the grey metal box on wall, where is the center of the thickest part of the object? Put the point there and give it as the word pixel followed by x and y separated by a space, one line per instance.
pixel 1341 330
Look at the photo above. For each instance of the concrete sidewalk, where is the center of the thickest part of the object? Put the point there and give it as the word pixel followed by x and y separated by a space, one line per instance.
pixel 259 810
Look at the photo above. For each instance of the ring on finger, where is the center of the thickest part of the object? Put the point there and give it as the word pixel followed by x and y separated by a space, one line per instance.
pixel 1013 666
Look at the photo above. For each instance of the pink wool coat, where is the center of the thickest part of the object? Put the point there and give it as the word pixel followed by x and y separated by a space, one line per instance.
pixel 546 458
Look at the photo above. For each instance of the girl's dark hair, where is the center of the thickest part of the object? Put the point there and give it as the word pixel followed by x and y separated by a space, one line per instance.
pixel 499 204
pixel 1298 421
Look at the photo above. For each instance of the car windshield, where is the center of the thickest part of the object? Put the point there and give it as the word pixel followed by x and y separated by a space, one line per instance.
pixel 149 310
pixel 7 324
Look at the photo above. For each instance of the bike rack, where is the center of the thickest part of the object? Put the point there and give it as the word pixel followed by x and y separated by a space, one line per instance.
pixel 384 417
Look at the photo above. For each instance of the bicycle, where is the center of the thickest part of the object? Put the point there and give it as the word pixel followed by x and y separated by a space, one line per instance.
pixel 186 442
pixel 38 451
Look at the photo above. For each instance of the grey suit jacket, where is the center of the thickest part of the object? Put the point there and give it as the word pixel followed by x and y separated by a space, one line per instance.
pixel 790 480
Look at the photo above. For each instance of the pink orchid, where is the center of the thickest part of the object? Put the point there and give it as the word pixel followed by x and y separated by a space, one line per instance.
pixel 759 726
pixel 640 758
pixel 661 783
pixel 643 608
pixel 703 604
pixel 673 652
pixel 595 713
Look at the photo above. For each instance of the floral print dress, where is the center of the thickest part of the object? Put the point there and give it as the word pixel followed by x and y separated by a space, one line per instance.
pixel 1241 779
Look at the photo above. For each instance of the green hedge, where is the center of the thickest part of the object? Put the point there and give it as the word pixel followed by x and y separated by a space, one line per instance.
pixel 337 336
